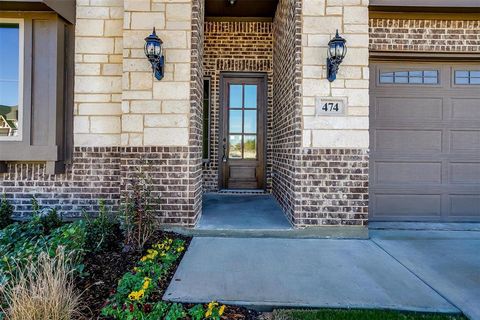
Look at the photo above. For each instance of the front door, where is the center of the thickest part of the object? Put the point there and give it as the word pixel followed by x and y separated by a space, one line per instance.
pixel 242 131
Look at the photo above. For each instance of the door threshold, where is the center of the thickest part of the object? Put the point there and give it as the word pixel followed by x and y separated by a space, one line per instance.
pixel 242 191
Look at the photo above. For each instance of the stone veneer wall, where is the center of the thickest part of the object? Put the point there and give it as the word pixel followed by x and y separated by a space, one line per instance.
pixel 162 119
pixel 95 169
pixel 124 119
pixel 287 114
pixel 98 73
pixel 430 35
pixel 333 163
pixel 232 46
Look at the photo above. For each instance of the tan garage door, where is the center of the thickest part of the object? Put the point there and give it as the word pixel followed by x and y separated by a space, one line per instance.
pixel 425 141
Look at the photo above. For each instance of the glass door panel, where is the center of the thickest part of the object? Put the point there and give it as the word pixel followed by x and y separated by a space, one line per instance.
pixel 242 123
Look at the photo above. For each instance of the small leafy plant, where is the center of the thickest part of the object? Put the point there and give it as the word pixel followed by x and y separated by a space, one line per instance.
pixel 139 220
pixel 6 212
pixel 101 231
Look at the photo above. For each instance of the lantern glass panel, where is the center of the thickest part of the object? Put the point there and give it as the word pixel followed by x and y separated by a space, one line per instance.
pixel 339 50
pixel 158 49
pixel 331 51
pixel 150 48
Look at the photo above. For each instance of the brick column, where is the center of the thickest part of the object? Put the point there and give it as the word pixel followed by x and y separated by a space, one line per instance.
pixel 161 120
pixel 333 162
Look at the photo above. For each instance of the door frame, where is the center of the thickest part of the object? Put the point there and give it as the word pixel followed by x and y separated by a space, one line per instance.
pixel 221 124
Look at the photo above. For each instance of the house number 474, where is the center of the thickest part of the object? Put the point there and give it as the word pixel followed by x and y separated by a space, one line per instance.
pixel 330 106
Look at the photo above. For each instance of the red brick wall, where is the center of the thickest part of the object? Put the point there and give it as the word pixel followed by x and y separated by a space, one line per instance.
pixel 287 114
pixel 196 120
pixel 334 188
pixel 105 173
pixel 243 47
pixel 94 175
pixel 170 178
pixel 424 35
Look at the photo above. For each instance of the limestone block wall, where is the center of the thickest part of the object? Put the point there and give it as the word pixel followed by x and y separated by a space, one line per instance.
pixel 164 117
pixel 156 113
pixel 98 72
pixel 124 120
pixel 321 18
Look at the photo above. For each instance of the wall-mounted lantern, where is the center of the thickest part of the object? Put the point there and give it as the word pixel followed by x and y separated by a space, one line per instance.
pixel 336 52
pixel 154 53
pixel 232 2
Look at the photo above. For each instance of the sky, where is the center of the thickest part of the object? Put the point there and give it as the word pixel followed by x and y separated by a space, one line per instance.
pixel 9 56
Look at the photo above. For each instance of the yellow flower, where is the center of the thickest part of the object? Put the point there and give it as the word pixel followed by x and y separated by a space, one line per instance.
pixel 146 283
pixel 222 310
pixel 136 295
pixel 208 313
pixel 180 249
pixel 144 258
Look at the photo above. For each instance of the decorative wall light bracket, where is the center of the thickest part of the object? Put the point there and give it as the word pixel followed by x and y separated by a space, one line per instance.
pixel 154 52
pixel 337 50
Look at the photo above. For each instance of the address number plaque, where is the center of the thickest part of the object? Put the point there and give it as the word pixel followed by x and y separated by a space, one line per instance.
pixel 329 107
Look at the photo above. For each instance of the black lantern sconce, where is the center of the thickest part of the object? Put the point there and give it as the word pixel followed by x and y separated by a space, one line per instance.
pixel 154 52
pixel 336 52
pixel 231 2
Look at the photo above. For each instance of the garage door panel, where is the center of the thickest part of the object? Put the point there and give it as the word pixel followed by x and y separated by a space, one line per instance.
pixel 465 109
pixel 408 205
pixel 399 108
pixel 464 173
pixel 465 141
pixel 425 147
pixel 408 141
pixel 408 172
pixel 465 205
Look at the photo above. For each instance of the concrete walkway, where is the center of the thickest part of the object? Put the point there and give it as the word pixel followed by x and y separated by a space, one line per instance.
pixel 392 271
pixel 241 212
pixel 449 262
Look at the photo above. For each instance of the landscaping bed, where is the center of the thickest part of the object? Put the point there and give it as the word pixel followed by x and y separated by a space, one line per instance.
pixel 118 277
pixel 104 269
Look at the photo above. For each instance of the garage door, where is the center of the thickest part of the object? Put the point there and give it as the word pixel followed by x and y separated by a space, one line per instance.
pixel 425 141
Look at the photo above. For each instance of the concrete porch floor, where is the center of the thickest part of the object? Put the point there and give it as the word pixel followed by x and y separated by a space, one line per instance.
pixel 241 212
pixel 436 271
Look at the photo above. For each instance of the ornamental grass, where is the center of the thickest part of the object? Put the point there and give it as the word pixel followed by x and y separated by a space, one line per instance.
pixel 43 289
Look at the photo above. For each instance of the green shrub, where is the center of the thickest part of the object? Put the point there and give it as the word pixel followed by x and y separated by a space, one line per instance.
pixel 21 243
pixel 48 217
pixel 102 231
pixel 6 212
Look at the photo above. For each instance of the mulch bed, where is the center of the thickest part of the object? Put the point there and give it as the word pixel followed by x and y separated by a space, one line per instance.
pixel 105 269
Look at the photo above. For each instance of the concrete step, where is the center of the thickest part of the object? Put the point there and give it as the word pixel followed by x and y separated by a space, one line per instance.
pixel 326 232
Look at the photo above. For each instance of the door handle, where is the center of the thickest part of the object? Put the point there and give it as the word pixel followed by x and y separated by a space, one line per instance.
pixel 224 157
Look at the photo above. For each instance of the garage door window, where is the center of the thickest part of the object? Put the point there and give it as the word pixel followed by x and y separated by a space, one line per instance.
pixel 466 77
pixel 409 77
